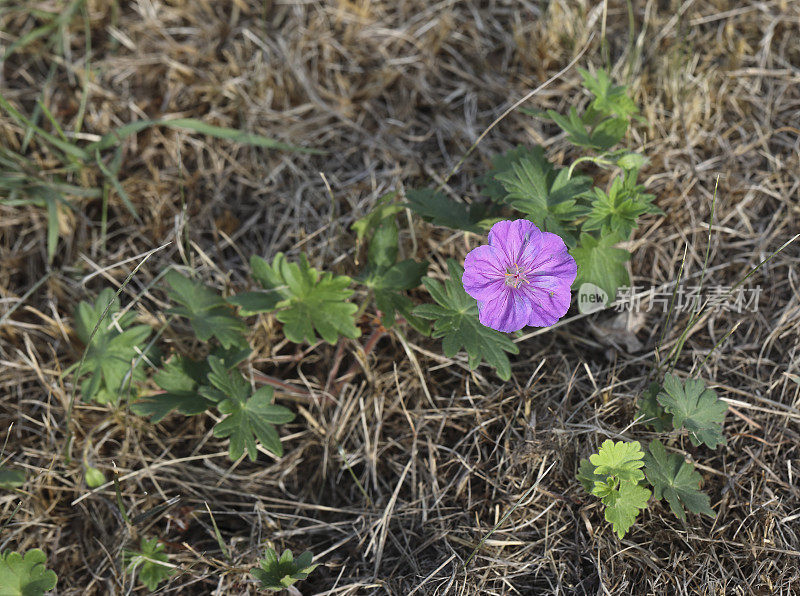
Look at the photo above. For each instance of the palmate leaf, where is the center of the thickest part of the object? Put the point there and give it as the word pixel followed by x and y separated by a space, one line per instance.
pixel 277 574
pixel 621 460
pixel 180 380
pixel 654 414
pixel 502 163
pixel 600 263
pixel 623 506
pixel 440 210
pixel 248 416
pixel 600 136
pixel 694 408
pixel 609 99
pixel 613 474
pixel 308 302
pixel 25 575
pixel 546 195
pixel 456 322
pixel 146 560
pixel 208 313
pixel 618 211
pixel 675 480
pixel 112 356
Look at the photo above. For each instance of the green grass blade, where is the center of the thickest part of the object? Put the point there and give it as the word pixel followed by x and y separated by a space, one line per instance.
pixel 117 186
pixel 110 139
pixel 67 148
pixel 232 134
pixel 52 227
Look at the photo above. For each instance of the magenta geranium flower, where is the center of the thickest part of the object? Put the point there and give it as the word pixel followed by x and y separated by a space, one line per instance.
pixel 522 277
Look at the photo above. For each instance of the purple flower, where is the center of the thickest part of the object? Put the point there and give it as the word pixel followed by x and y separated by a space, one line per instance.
pixel 522 277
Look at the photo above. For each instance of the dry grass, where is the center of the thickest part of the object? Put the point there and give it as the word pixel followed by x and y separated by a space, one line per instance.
pixel 396 92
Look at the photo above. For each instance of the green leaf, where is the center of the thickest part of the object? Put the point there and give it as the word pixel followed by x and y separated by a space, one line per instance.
pixel 623 506
pixel 587 477
pixel 694 408
pixel 608 133
pixel 632 161
pixel 11 479
pixel 456 322
pixel 387 285
pixel 387 279
pixel 180 380
pixel 148 560
pixel 208 313
pixel 546 195
pixel 384 208
pixel 307 301
pixel 574 126
pixel 405 275
pixel 609 99
pixel 111 354
pixel 277 574
pixel 383 245
pixel 391 303
pixel 654 414
pixel 25 575
pixel 438 209
pixel 620 460
pixel 94 477
pixel 502 163
pixel 600 263
pixel 618 211
pixel 676 481
pixel 248 416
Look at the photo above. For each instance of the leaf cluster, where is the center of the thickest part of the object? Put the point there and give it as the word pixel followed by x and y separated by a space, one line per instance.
pixel 192 387
pixel 25 575
pixel 276 573
pixel 208 313
pixel 307 301
pixel 689 405
pixel 384 276
pixel 614 475
pixel 605 120
pixel 114 348
pixel 455 317
pixel 148 560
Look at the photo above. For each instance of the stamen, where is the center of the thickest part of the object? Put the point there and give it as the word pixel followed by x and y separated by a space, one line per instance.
pixel 515 275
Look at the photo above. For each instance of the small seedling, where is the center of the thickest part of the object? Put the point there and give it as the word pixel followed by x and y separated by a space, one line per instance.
pixel 277 574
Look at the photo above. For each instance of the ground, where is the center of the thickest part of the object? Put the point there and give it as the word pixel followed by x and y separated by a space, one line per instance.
pixel 395 93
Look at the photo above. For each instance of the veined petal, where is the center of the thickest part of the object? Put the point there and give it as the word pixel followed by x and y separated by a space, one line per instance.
pixel 484 273
pixel 548 257
pixel 548 300
pixel 507 312
pixel 511 237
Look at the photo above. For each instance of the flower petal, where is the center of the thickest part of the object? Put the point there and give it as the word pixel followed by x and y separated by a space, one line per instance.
pixel 507 312
pixel 484 273
pixel 512 237
pixel 548 257
pixel 548 299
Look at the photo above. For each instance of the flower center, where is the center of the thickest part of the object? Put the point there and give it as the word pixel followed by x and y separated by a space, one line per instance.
pixel 515 275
